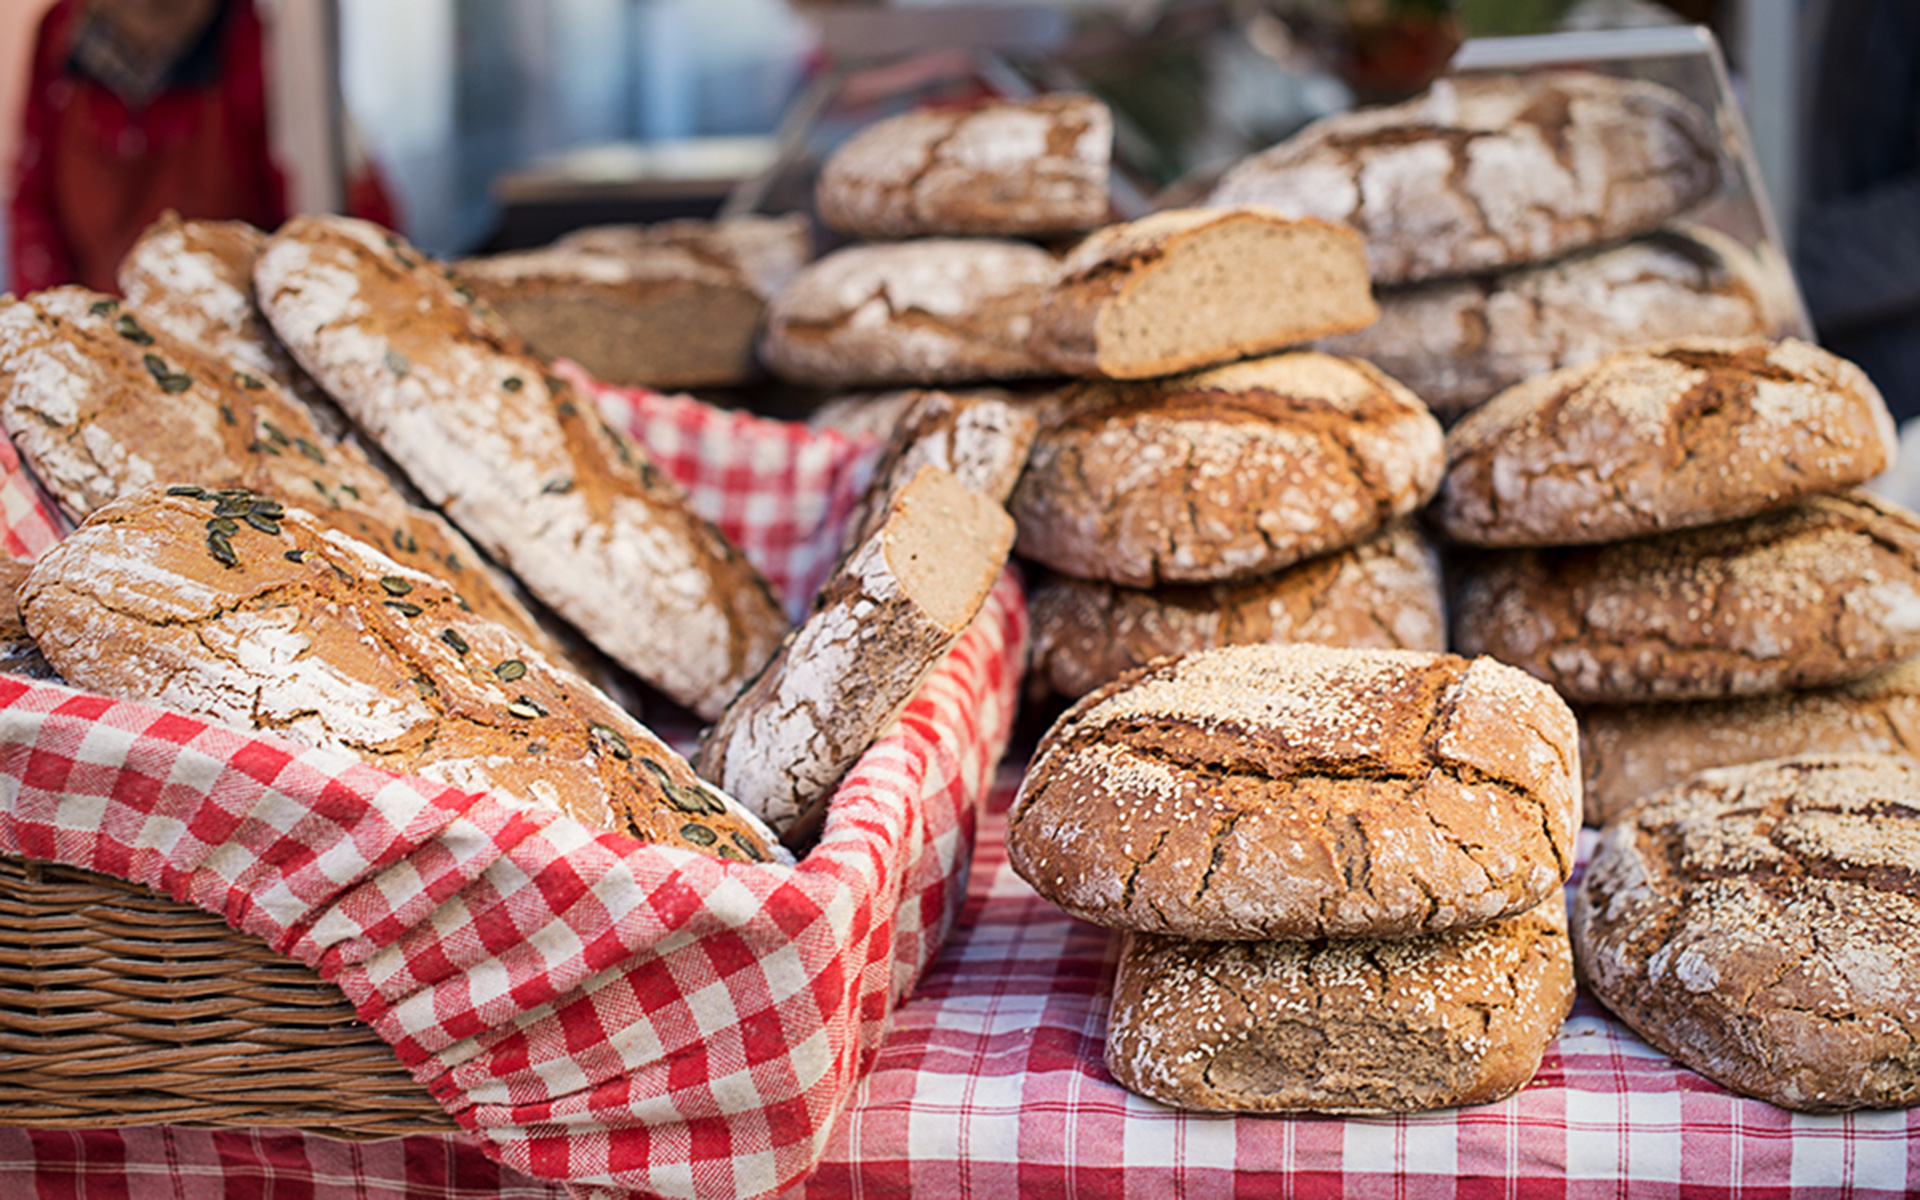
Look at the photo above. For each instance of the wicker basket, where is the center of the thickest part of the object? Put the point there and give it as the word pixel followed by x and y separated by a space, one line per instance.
pixel 121 1006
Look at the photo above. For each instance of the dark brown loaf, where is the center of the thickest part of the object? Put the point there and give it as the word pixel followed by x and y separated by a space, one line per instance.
pixel 1483 172
pixel 1279 792
pixel 1663 436
pixel 1187 288
pixel 232 607
pixel 1357 1026
pixel 1761 924
pixel 520 461
pixel 1383 593
pixel 1011 168
pixel 1224 474
pixel 1821 592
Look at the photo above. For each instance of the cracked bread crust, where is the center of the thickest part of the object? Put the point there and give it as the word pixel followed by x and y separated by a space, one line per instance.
pixel 1761 925
pixel 518 459
pixel 1280 792
pixel 1633 751
pixel 1666 436
pixel 1224 474
pixel 1352 1026
pixel 940 310
pixel 235 608
pixel 1483 172
pixel 1820 592
pixel 1009 168
pixel 1383 593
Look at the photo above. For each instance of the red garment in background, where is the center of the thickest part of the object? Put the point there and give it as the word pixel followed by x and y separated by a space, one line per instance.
pixel 92 172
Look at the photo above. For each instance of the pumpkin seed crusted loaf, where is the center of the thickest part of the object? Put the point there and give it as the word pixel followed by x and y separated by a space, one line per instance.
pixel 1354 1026
pixel 102 402
pixel 1659 437
pixel 1193 287
pixel 1281 792
pixel 1008 168
pixel 1223 474
pixel 1820 592
pixel 518 460
pixel 233 607
pixel 1761 925
pixel 1383 593
pixel 1483 172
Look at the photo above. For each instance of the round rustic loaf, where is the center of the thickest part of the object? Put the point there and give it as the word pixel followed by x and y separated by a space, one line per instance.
pixel 1483 172
pixel 1761 924
pixel 1631 751
pixel 1224 474
pixel 1298 791
pixel 1383 593
pixel 1345 1026
pixel 1823 591
pixel 1658 437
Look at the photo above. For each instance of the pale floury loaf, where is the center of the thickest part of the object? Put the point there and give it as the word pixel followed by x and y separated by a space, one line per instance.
pixel 1662 436
pixel 1483 172
pixel 518 459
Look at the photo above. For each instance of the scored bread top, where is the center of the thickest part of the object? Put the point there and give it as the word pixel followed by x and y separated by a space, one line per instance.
pixel 1663 436
pixel 236 608
pixel 1302 791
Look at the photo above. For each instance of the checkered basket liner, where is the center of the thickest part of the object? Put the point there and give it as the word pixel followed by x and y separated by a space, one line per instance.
pixel 604 1013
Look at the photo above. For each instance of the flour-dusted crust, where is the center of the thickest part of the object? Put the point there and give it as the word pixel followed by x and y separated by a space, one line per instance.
pixel 1483 172
pixel 939 310
pixel 234 607
pixel 1223 474
pixel 1261 792
pixel 1761 924
pixel 1631 751
pixel 1355 1026
pixel 1383 594
pixel 1663 436
pixel 518 460
pixel 1194 287
pixel 1820 592
pixel 1459 342
pixel 762 252
pixel 981 437
pixel 879 627
pixel 1010 168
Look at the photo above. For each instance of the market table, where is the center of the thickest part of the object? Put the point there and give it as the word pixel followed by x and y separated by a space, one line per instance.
pixel 989 1082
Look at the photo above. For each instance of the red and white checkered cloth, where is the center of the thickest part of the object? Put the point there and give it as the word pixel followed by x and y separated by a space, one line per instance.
pixel 603 1012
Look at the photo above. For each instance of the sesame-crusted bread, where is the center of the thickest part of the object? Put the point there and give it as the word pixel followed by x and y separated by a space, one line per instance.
pixel 1820 592
pixel 981 437
pixel 1761 924
pixel 233 607
pixel 1382 593
pixel 1193 287
pixel 1459 342
pixel 1024 167
pixel 1658 437
pixel 518 460
pixel 1343 1026
pixel 939 310
pixel 1482 172
pixel 1298 791
pixel 1223 474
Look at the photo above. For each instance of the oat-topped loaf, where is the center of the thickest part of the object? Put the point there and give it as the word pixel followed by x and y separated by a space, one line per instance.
pixel 1483 172
pixel 521 462
pixel 1761 924
pixel 1010 168
pixel 1819 592
pixel 1382 593
pixel 1223 474
pixel 1193 287
pixel 233 607
pixel 1342 1026
pixel 1262 792
pixel 1658 437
